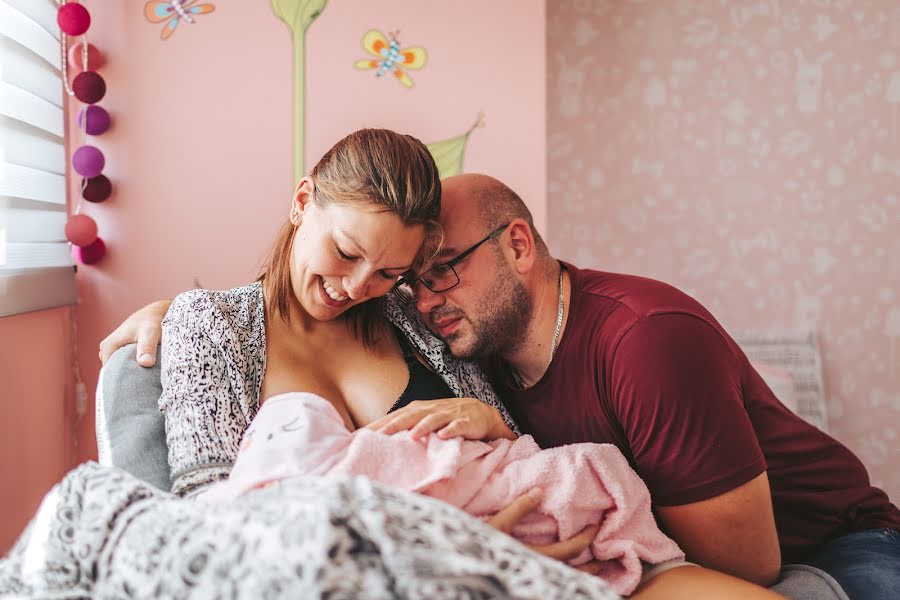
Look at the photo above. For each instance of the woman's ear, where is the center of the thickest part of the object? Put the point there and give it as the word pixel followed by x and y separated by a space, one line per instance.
pixel 303 195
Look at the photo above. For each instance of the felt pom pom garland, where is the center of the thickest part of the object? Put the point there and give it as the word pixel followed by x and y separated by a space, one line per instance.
pixel 96 189
pixel 89 87
pixel 73 19
pixel 87 160
pixel 81 230
pixel 94 120
pixel 94 62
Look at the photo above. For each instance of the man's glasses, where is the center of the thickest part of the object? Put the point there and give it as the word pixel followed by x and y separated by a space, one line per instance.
pixel 443 277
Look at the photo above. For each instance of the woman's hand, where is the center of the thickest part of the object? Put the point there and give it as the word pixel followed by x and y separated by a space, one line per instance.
pixel 564 551
pixel 451 417
pixel 143 327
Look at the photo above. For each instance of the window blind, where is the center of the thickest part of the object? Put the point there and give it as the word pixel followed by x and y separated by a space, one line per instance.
pixel 36 269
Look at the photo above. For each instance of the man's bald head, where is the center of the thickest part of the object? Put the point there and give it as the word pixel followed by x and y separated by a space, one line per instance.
pixel 474 197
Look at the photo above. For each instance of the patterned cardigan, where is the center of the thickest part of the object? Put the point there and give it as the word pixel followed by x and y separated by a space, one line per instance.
pixel 213 362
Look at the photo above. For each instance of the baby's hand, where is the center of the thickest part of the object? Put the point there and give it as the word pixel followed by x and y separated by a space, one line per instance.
pixel 509 517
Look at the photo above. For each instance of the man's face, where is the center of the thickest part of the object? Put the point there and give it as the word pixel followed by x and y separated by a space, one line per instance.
pixel 487 312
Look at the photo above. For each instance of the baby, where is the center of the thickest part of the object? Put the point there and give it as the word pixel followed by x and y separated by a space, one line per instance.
pixel 301 434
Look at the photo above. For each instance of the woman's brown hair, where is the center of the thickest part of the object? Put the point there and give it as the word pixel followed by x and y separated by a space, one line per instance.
pixel 371 167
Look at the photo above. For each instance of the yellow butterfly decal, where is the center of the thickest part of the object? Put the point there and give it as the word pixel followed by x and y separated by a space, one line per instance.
pixel 389 56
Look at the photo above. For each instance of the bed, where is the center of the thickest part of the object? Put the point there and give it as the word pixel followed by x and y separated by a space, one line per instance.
pixel 111 529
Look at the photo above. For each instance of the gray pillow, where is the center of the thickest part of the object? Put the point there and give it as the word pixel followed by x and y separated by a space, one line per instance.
pixel 131 431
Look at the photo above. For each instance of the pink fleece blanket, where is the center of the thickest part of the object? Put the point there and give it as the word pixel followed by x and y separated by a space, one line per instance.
pixel 584 484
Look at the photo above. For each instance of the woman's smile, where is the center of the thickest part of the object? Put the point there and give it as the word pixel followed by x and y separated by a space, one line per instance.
pixel 330 296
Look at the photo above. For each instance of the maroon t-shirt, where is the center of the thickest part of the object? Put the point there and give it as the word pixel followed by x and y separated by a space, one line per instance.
pixel 645 367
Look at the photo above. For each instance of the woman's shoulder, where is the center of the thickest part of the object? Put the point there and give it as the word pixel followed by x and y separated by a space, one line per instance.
pixel 240 307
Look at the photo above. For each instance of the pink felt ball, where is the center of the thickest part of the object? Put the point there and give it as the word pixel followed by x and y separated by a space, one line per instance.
pixel 95 59
pixel 81 230
pixel 93 119
pixel 88 161
pixel 88 255
pixel 89 87
pixel 73 18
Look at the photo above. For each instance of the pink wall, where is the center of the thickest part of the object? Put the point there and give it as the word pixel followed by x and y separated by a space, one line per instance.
pixel 748 153
pixel 35 433
pixel 687 141
pixel 200 149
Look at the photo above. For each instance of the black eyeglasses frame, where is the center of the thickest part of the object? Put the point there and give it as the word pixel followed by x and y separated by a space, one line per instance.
pixel 452 263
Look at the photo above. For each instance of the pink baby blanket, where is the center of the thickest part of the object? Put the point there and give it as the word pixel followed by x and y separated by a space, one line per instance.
pixel 584 484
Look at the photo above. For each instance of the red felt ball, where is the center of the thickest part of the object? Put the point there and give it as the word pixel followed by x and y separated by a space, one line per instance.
pixel 81 230
pixel 88 255
pixel 73 18
pixel 96 189
pixel 89 87
pixel 95 59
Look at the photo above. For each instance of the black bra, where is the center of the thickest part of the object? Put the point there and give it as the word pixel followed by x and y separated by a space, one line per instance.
pixel 424 384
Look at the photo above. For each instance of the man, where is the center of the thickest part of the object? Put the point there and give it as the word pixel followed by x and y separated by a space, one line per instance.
pixel 736 479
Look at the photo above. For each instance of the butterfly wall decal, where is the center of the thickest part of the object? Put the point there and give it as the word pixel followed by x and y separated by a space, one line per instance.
pixel 174 12
pixel 389 57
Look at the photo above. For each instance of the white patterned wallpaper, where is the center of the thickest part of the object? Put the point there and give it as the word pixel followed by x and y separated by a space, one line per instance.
pixel 748 152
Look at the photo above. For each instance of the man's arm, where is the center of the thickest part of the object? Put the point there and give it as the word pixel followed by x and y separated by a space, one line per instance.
pixel 677 393
pixel 733 532
pixel 143 327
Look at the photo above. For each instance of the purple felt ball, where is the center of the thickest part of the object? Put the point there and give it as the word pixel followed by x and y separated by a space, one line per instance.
pixel 88 161
pixel 89 87
pixel 73 18
pixel 93 119
pixel 88 255
pixel 96 189
pixel 81 230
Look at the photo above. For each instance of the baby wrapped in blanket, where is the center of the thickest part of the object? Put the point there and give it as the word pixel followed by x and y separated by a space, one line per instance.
pixel 584 484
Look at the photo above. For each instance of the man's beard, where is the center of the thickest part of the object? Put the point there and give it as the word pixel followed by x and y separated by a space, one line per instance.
pixel 503 317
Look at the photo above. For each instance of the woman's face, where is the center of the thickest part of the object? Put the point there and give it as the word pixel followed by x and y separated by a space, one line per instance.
pixel 346 254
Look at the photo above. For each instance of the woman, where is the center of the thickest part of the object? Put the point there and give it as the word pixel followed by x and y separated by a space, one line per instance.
pixel 364 216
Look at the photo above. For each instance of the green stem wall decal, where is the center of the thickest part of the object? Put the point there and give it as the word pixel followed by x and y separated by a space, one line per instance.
pixel 298 15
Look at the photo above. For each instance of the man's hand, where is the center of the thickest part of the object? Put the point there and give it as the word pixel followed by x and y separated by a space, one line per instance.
pixel 509 517
pixel 452 417
pixel 143 327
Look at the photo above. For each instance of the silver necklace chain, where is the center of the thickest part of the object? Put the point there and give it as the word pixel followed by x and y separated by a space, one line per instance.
pixel 559 318
pixel 553 346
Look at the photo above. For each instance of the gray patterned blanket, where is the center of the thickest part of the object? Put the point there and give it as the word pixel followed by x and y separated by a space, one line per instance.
pixel 101 533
